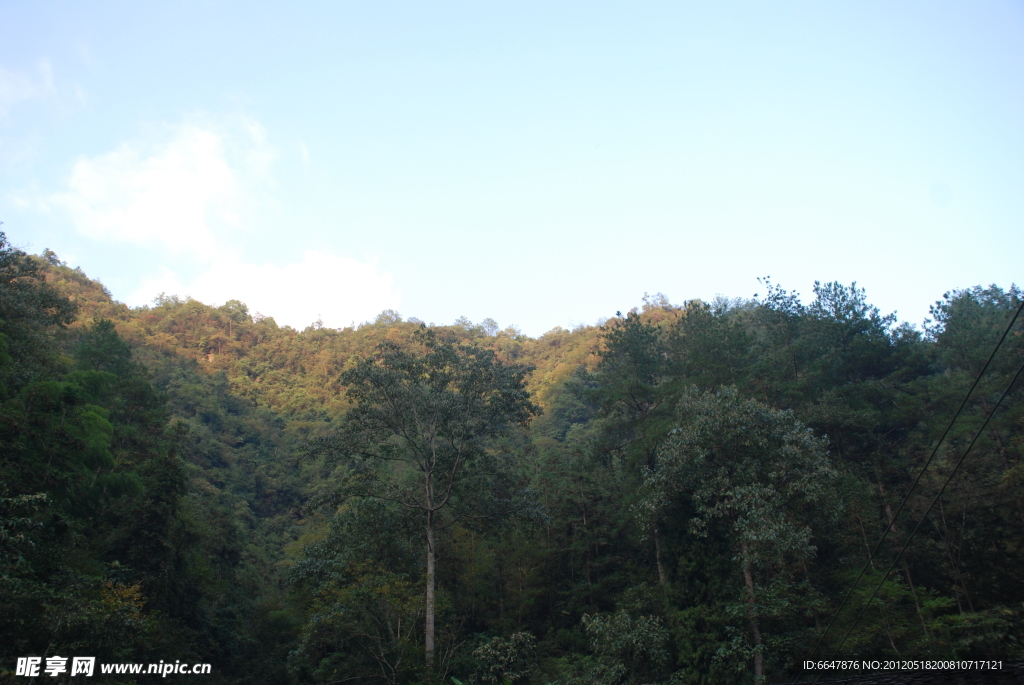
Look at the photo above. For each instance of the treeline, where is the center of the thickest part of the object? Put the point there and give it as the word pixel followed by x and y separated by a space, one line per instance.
pixel 683 494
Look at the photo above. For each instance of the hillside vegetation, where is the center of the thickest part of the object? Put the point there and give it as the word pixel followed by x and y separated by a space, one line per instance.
pixel 684 493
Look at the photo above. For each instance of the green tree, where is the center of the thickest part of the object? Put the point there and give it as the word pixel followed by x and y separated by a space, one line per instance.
pixel 708 347
pixel 419 432
pixel 506 661
pixel 362 606
pixel 634 399
pixel 29 310
pixel 758 476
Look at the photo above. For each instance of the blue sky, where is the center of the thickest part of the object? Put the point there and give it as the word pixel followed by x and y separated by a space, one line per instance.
pixel 542 164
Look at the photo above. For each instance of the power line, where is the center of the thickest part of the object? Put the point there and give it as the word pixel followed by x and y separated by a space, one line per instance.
pixel 928 510
pixel 906 497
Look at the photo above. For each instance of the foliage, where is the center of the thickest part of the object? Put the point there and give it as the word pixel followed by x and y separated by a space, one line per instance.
pixel 759 477
pixel 502 660
pixel 634 646
pixel 680 487
pixel 420 431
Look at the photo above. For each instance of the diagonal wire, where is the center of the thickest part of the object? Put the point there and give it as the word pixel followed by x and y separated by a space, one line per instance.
pixel 928 510
pixel 917 480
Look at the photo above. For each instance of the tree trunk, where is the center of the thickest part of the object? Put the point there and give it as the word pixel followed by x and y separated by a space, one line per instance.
pixel 947 540
pixel 431 564
pixel 748 577
pixel 657 557
pixel 891 518
pixel 896 540
pixel 913 593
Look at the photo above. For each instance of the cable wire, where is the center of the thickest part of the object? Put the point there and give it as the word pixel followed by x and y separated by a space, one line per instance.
pixel 927 463
pixel 952 473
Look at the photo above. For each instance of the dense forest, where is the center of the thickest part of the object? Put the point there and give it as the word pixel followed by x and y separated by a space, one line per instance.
pixel 690 493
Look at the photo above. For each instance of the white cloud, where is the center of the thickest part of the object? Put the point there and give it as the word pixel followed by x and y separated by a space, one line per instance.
pixel 259 155
pixel 197 194
pixel 18 86
pixel 176 195
pixel 337 290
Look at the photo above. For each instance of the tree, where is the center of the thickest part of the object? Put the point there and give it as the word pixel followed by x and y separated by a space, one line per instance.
pixel 759 477
pixel 708 346
pixel 635 405
pixel 419 431
pixel 29 310
pixel 363 604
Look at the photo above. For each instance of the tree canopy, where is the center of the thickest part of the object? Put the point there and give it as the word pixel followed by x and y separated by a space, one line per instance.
pixel 420 430
pixel 682 494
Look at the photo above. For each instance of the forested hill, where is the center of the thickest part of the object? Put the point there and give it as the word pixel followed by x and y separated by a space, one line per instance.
pixel 297 373
pixel 684 494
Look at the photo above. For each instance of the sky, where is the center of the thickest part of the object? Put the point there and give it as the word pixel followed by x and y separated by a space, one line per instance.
pixel 541 164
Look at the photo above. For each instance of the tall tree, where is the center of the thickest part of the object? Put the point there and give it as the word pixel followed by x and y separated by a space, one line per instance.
pixel 756 475
pixel 635 405
pixel 419 431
